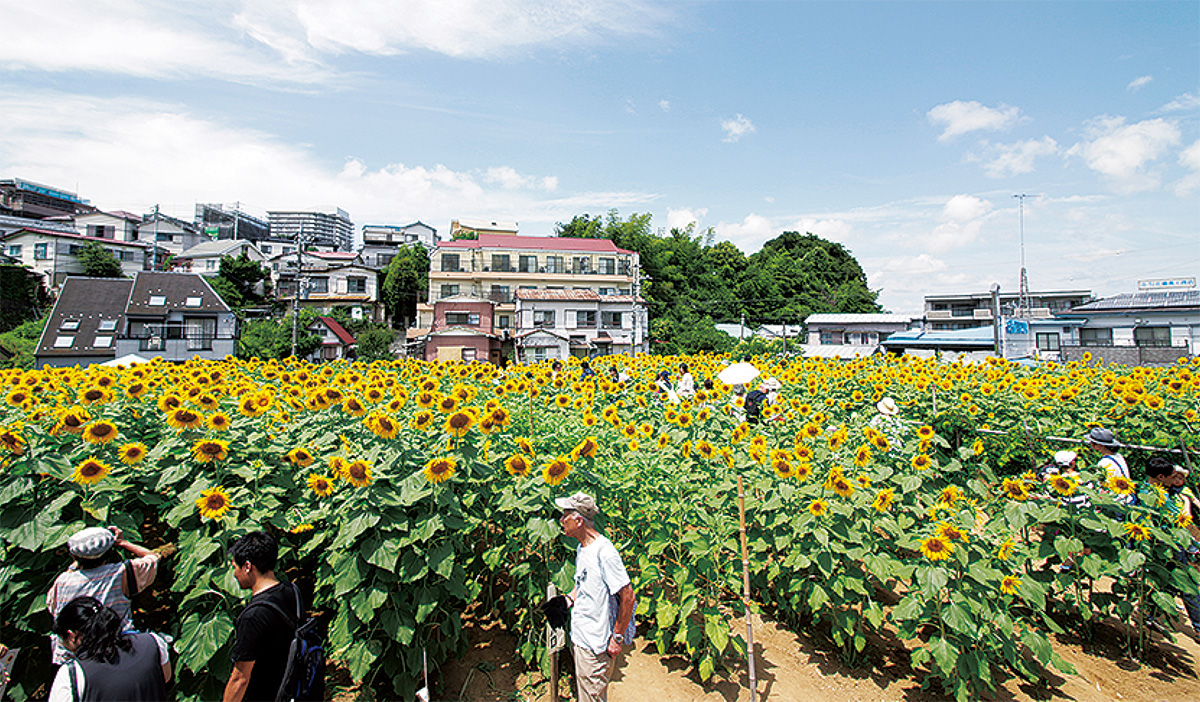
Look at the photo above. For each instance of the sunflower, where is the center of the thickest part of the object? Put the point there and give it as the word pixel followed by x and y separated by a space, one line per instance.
pixel 818 508
pixel 1063 485
pixel 841 486
pixel 977 447
pixel 950 495
pixel 862 455
pixel 705 449
pixel 783 467
pixel 353 407
pixel 1005 551
pixel 382 425
pixel 921 462
pixel 883 500
pixel 937 548
pixel 358 473
pixel 459 423
pixel 300 456
pixel 1009 584
pixel 219 421
pixel 184 418
pixel 881 443
pixel 17 398
pixel 100 432
pixel 803 471
pixel 1015 489
pixel 440 469
pixel 585 449
pixel 213 503
pixel 501 417
pixel 447 404
pixel 301 528
pixel 836 440
pixel 320 484
pixel 952 532
pixel 925 432
pixel 72 420
pixel 91 471
pixel 12 441
pixel 517 465
pixel 524 445
pixel 95 396
pixel 1137 532
pixel 556 471
pixel 1120 484
pixel 209 450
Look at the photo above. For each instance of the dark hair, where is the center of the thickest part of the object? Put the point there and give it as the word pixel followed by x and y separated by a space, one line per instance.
pixel 89 563
pixel 1159 467
pixel 98 627
pixel 257 547
pixel 683 368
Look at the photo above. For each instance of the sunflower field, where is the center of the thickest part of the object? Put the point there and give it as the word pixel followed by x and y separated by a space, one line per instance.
pixel 405 492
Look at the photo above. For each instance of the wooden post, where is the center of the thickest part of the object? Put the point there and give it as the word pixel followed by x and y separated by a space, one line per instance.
pixel 746 592
pixel 551 591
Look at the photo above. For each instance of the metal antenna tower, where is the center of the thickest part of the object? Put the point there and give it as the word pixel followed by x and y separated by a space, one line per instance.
pixel 1023 304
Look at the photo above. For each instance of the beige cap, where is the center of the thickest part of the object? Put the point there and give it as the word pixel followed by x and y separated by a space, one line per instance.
pixel 887 406
pixel 580 502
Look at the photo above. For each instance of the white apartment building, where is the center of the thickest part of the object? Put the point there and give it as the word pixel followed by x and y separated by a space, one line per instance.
pixel 556 323
pixel 52 253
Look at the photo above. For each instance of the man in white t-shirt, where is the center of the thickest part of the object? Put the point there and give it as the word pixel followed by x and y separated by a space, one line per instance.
pixel 1112 462
pixel 601 603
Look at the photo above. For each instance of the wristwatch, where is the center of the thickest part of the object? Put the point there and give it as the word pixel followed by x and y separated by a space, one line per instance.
pixel 619 639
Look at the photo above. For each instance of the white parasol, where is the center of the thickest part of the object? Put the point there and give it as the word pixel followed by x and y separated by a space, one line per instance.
pixel 738 374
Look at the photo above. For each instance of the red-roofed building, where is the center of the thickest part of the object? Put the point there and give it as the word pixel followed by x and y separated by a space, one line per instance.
pixel 336 342
pixel 463 331
pixel 496 266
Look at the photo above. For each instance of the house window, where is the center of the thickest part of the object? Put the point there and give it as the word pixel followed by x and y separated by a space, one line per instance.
pixel 63 342
pixel 581 264
pixel 383 260
pixel 462 319
pixel 1152 336
pixel 1095 337
pixel 193 301
pixel 450 262
pixel 554 264
pixel 469 354
pixel 158 300
pixel 1048 341
pixel 356 284
pixel 611 320
pixel 585 319
pixel 107 325
pixel 318 285
pixel 449 290
pixel 41 252
pixel 200 333
pixel 500 294
pixel 543 319
pixel 625 267
pixel 14 250
pixel 101 231
pixel 103 342
pixel 164 237
pixel 503 321
pixel 607 291
pixel 266 248
pixel 210 264
pixel 608 266
pixel 501 263
pixel 827 338
pixel 539 353
pixel 528 264
pixel 69 325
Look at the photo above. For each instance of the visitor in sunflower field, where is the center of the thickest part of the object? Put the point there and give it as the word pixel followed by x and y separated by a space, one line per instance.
pixel 888 421
pixel 109 663
pixel 687 385
pixel 263 636
pixel 1155 494
pixel 601 603
pixel 1111 462
pixel 585 371
pixel 91 575
pixel 1177 487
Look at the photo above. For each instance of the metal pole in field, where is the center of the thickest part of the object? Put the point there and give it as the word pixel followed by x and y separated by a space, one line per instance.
pixel 551 591
pixel 746 592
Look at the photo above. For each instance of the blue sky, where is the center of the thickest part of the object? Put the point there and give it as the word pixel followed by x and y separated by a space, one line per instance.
pixel 900 129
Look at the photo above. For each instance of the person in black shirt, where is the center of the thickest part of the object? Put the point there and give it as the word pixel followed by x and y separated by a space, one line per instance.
pixel 263 637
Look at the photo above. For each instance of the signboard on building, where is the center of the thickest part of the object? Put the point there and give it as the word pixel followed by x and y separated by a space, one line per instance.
pixel 1167 284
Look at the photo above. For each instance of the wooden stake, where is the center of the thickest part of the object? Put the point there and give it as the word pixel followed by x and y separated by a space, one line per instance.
pixel 746 592
pixel 551 591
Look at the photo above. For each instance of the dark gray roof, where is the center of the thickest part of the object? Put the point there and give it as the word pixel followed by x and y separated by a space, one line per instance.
pixel 175 288
pixel 86 301
pixel 1147 301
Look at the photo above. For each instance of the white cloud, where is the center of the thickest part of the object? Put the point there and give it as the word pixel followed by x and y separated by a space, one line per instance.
pixel 1138 83
pixel 1122 152
pixel 664 105
pixel 1003 160
pixel 681 218
pixel 1188 102
pixel 961 219
pixel 629 106
pixel 749 234
pixel 1189 159
pixel 130 154
pixel 961 117
pixel 737 127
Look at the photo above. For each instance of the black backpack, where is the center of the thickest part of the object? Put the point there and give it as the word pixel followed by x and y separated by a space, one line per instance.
pixel 304 676
pixel 753 405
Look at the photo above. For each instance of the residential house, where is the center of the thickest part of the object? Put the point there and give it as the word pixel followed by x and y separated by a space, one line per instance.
pixel 175 316
pixel 1144 328
pixel 53 252
pixel 969 311
pixel 381 242
pixel 496 266
pixel 205 259
pixel 276 247
pixel 116 226
pixel 10 224
pixel 329 279
pixel 173 236
pixel 462 329
pixel 849 335
pixel 592 324
pixel 336 342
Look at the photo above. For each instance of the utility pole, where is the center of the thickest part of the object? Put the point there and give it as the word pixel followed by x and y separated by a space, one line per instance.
pixel 996 320
pixel 1023 304
pixel 296 294
pixel 154 243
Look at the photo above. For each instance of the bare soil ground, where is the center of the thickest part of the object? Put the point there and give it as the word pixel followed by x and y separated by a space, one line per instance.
pixel 793 666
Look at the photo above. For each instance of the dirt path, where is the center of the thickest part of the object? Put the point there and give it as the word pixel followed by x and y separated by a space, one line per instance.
pixel 791 667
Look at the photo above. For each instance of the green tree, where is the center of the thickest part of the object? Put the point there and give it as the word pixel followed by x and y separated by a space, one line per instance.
pixel 23 296
pixel 375 344
pixel 98 262
pixel 20 344
pixel 241 282
pixel 405 283
pixel 272 338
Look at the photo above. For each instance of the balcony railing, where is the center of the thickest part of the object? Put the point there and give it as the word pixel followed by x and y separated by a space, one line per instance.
pixel 500 298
